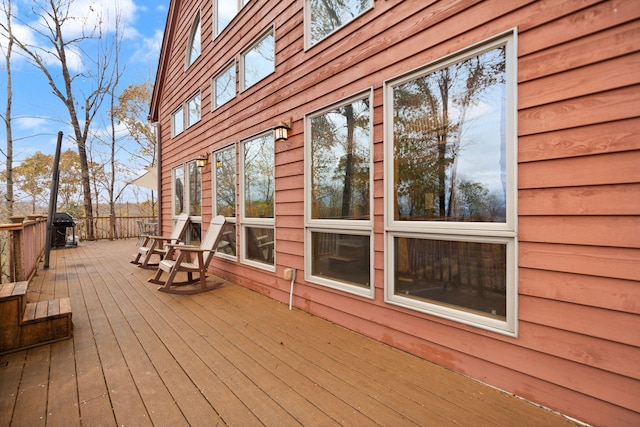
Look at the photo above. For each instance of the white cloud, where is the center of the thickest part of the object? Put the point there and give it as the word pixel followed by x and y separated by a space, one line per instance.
pixel 149 48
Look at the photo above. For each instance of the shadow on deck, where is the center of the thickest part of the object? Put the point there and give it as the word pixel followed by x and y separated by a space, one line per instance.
pixel 225 357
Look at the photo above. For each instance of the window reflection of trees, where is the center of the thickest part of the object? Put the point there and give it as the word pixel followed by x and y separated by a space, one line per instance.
pixel 436 117
pixel 225 186
pixel 341 162
pixel 178 174
pixel 258 177
pixel 259 61
pixel 329 15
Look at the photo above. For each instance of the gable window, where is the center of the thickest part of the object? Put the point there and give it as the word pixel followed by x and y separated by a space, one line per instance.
pixel 195 41
pixel 257 190
pixel 323 17
pixel 224 197
pixel 224 11
pixel 259 60
pixel 450 187
pixel 177 121
pixel 338 215
pixel 224 86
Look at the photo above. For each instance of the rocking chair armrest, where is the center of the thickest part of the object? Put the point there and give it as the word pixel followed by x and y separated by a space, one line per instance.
pixel 167 238
pixel 181 246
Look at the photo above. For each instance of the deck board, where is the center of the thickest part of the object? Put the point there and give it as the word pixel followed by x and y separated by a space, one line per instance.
pixel 225 357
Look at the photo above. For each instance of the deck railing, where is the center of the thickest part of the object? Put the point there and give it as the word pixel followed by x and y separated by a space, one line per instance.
pixel 22 242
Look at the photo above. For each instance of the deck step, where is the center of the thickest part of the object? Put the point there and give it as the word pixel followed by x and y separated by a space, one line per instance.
pixel 24 325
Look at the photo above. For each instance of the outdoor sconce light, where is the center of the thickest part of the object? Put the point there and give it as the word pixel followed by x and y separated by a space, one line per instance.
pixel 281 132
pixel 202 160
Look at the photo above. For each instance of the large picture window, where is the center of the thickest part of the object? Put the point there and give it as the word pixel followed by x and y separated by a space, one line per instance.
pixel 258 189
pixel 323 17
pixel 259 60
pixel 338 213
pixel 224 194
pixel 451 214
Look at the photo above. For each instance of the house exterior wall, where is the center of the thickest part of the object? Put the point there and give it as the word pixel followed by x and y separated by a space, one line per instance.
pixel 578 181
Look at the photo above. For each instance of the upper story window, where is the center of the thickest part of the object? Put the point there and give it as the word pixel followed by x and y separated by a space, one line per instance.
pixel 180 121
pixel 177 121
pixel 323 17
pixel 193 109
pixel 195 41
pixel 223 12
pixel 451 223
pixel 224 86
pixel 259 60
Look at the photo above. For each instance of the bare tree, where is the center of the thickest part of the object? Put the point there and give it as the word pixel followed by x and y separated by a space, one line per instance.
pixel 7 33
pixel 58 52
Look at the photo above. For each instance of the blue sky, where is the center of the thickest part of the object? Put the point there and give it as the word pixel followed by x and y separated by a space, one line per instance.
pixel 38 114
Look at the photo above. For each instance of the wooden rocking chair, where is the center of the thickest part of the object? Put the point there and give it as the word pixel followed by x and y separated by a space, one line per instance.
pixel 157 245
pixel 190 259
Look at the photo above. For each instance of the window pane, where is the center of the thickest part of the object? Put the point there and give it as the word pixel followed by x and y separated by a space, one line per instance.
pixel 195 42
pixel 259 61
pixel 225 183
pixel 193 106
pixel 225 11
pixel 178 121
pixel 341 257
pixel 225 86
pixel 227 243
pixel 465 275
pixel 450 142
pixel 259 244
pixel 195 189
pixel 194 234
pixel 178 190
pixel 341 142
pixel 327 16
pixel 258 177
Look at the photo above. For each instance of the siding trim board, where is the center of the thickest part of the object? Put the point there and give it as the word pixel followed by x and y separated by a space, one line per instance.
pixel 577 180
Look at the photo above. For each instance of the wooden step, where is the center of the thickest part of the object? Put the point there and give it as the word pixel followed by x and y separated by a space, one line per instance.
pixel 24 325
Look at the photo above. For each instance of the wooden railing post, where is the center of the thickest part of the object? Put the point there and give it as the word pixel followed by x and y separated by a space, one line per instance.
pixel 16 265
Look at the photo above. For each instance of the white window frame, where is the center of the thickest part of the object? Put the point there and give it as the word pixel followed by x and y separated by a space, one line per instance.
pixel 308 43
pixel 247 222
pixel 214 92
pixel 504 233
pixel 216 5
pixel 196 30
pixel 271 31
pixel 175 215
pixel 214 205
pixel 348 227
pixel 175 131
pixel 187 117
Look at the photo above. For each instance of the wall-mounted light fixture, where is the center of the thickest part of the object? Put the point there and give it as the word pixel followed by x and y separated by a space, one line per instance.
pixel 202 160
pixel 281 132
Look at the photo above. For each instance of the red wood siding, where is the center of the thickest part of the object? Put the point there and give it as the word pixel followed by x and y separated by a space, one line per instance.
pixel 578 348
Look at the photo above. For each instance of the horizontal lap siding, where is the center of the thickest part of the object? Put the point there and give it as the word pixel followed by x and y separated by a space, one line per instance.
pixel 578 179
pixel 579 205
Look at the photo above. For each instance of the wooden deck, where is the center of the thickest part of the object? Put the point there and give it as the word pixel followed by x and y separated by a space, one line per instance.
pixel 226 357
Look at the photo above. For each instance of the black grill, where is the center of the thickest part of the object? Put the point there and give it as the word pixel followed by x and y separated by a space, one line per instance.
pixel 59 225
